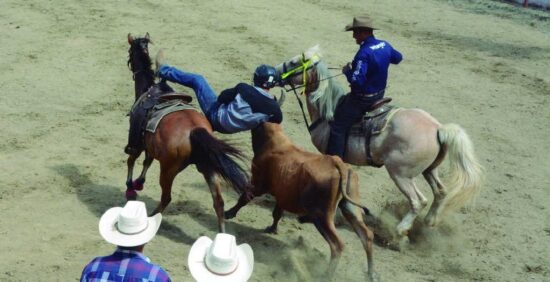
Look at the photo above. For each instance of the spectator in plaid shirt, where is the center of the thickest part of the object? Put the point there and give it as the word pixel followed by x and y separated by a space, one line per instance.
pixel 130 229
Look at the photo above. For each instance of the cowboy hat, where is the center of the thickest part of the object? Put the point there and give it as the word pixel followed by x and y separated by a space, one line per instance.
pixel 129 226
pixel 220 260
pixel 360 22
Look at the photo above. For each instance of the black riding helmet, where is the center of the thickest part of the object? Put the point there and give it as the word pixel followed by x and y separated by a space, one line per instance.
pixel 265 76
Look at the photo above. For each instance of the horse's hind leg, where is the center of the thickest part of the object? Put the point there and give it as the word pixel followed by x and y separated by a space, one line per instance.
pixel 439 192
pixel 214 185
pixel 326 227
pixel 407 187
pixel 277 214
pixel 168 171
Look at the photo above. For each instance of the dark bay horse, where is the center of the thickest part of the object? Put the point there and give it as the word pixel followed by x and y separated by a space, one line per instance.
pixel 308 184
pixel 182 138
pixel 412 143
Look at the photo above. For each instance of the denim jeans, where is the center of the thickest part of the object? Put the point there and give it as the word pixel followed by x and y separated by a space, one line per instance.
pixel 346 114
pixel 205 94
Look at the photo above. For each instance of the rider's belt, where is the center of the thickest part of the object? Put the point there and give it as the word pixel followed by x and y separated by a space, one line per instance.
pixel 369 95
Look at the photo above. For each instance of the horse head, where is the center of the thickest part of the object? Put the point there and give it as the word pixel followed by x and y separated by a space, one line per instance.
pixel 138 54
pixel 309 72
pixel 298 70
pixel 139 63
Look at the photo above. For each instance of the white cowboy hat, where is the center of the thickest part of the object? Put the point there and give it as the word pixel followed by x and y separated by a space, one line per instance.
pixel 129 226
pixel 220 260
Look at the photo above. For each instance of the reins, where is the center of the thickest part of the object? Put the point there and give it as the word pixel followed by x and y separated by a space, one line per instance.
pixel 303 68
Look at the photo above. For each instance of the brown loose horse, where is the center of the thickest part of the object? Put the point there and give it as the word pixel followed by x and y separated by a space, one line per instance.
pixel 182 138
pixel 308 184
pixel 412 143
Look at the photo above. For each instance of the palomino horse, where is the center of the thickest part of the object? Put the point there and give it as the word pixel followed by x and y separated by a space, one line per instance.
pixel 412 143
pixel 182 138
pixel 308 184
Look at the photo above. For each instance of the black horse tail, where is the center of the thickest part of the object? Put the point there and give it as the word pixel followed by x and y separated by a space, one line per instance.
pixel 212 155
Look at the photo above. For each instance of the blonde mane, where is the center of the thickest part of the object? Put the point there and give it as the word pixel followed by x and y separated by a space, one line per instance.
pixel 327 95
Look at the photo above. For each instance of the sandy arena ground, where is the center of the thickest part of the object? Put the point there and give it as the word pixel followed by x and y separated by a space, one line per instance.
pixel 65 90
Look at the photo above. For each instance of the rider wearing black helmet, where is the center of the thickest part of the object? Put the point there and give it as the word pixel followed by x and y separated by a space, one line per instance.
pixel 240 108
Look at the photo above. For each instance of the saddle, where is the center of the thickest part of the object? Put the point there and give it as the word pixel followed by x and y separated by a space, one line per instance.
pixel 143 108
pixel 373 122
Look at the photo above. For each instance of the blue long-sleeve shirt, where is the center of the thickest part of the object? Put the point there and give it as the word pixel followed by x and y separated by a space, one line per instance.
pixel 369 68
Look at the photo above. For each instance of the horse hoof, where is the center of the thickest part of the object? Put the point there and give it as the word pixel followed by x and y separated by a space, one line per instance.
pixel 404 243
pixel 374 277
pixel 271 230
pixel 138 184
pixel 228 215
pixel 304 219
pixel 131 195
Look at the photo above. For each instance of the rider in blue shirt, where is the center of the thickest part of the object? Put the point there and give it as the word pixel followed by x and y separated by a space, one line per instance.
pixel 240 108
pixel 367 75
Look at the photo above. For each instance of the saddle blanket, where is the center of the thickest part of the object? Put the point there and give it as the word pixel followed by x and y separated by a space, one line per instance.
pixel 160 110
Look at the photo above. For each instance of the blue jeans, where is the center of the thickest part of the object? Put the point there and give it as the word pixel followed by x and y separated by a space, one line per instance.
pixel 346 114
pixel 205 94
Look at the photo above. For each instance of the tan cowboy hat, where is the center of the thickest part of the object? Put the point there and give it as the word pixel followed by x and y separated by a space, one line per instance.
pixel 129 226
pixel 360 22
pixel 220 260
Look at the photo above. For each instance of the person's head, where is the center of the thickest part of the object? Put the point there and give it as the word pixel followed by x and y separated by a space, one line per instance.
pixel 362 27
pixel 129 227
pixel 220 260
pixel 265 77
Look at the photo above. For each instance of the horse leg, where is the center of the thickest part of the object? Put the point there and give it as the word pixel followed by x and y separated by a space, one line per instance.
pixel 214 185
pixel 407 187
pixel 439 192
pixel 168 172
pixel 326 227
pixel 277 214
pixel 353 215
pixel 421 198
pixel 138 183
pixel 130 191
pixel 243 201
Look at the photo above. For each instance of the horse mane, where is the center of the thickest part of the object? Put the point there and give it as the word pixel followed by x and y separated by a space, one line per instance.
pixel 136 52
pixel 325 98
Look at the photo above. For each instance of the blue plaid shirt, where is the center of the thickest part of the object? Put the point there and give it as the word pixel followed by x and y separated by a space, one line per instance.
pixel 123 265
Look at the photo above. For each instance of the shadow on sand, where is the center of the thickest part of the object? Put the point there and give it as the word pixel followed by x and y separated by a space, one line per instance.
pixel 99 198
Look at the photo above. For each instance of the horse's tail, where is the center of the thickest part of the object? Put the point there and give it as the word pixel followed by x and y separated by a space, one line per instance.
pixel 212 155
pixel 346 173
pixel 465 170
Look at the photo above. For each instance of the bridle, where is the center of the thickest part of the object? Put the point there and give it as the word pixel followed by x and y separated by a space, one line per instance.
pixel 304 66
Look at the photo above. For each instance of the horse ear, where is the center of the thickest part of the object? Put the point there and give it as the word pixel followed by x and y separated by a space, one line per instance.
pixel 148 37
pixel 130 39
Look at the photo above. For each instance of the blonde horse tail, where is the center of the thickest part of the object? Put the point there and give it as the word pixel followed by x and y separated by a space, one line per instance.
pixel 465 170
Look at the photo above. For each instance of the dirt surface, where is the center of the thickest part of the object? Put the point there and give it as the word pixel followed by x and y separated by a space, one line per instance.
pixel 65 91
